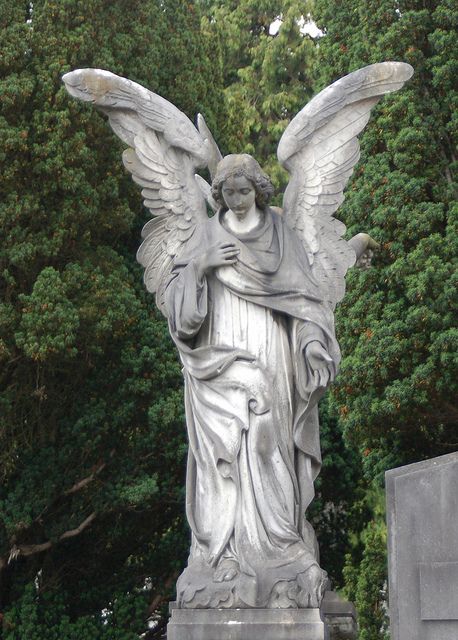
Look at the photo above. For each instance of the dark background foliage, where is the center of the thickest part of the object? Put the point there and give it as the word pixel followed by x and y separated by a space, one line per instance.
pixel 92 435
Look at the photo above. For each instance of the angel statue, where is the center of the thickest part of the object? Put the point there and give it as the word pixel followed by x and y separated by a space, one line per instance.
pixel 249 295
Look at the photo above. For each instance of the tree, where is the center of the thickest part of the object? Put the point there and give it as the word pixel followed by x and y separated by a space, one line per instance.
pixel 366 583
pixel 91 420
pixel 396 320
pixel 396 324
pixel 266 73
pixel 339 511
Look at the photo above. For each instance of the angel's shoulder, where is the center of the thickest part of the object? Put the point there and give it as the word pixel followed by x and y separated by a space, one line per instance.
pixel 277 211
pixel 280 221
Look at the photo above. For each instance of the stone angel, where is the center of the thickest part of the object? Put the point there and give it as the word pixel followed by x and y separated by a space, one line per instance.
pixel 249 295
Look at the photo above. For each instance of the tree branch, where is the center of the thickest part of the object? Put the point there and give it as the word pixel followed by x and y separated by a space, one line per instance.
pixel 75 532
pixel 32 549
pixel 85 481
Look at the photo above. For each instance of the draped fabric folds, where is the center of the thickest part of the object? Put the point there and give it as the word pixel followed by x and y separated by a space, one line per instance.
pixel 251 411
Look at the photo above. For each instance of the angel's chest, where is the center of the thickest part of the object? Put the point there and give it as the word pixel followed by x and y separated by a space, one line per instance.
pixel 239 323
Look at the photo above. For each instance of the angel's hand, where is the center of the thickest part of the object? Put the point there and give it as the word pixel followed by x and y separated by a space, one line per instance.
pixel 321 363
pixel 364 247
pixel 220 254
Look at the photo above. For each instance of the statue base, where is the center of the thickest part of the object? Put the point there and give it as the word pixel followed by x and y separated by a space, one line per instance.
pixel 246 624
pixel 340 617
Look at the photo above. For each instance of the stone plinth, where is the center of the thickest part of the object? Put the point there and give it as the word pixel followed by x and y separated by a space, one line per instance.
pixel 340 617
pixel 246 624
pixel 422 510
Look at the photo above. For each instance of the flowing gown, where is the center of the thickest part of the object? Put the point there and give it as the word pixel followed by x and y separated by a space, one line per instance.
pixel 251 415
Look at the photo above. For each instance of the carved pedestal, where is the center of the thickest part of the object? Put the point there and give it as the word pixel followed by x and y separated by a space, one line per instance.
pixel 246 624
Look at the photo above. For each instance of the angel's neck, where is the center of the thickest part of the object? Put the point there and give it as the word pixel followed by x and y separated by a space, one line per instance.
pixel 244 224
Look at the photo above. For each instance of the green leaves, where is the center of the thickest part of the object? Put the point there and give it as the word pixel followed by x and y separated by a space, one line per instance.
pixel 92 435
pixel 91 410
pixel 367 587
pixel 49 321
pixel 397 324
pixel 141 492
pixel 268 76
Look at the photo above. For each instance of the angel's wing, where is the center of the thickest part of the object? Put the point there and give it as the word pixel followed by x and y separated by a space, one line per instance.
pixel 165 151
pixel 319 149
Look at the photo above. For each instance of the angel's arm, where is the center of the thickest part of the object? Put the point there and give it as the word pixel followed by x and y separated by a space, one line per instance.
pixel 186 300
pixel 320 363
pixel 363 246
pixel 187 292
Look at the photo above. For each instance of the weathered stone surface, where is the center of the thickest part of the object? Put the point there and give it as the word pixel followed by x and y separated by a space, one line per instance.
pixel 246 624
pixel 249 296
pixel 437 600
pixel 340 616
pixel 422 509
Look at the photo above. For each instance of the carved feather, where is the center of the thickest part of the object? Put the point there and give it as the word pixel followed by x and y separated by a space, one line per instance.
pixel 115 95
pixel 320 149
pixel 214 154
pixel 165 151
pixel 206 192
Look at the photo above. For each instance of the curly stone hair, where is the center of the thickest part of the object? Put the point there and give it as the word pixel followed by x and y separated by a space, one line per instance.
pixel 242 164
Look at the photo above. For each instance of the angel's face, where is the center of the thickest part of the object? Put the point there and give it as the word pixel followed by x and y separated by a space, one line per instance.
pixel 239 195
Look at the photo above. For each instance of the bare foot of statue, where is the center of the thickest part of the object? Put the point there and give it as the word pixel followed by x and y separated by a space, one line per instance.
pixel 226 570
pixel 313 583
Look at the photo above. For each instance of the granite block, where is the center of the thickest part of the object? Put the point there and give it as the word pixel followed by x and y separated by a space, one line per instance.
pixel 246 624
pixel 422 514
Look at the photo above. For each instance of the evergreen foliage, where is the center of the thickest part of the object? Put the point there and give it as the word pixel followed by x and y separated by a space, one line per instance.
pixel 92 436
pixel 266 74
pixel 366 583
pixel 397 323
pixel 339 510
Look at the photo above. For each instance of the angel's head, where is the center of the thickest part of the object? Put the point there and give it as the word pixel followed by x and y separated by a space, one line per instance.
pixel 236 165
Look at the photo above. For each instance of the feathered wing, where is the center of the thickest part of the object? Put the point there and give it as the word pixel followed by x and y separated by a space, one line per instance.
pixel 320 149
pixel 165 151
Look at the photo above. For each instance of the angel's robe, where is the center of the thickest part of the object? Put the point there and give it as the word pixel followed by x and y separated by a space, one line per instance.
pixel 251 408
